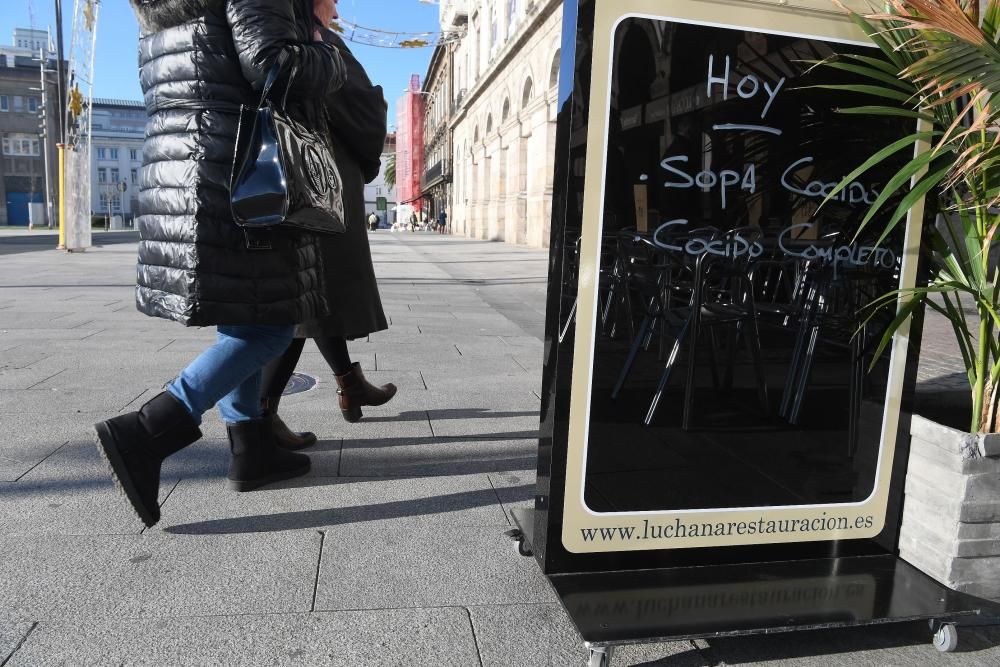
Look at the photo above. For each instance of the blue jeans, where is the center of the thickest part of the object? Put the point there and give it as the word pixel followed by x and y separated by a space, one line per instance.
pixel 228 373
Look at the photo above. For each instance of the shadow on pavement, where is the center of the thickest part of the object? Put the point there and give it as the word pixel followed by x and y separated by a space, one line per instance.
pixel 451 413
pixel 284 521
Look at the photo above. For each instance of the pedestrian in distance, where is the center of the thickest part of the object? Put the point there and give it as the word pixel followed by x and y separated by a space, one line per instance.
pixel 200 60
pixel 442 222
pixel 357 117
pixel 373 221
pixel 413 221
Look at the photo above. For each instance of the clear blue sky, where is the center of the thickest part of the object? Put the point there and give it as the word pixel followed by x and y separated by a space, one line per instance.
pixel 118 32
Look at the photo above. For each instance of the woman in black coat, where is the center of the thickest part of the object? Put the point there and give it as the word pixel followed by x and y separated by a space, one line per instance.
pixel 200 60
pixel 357 114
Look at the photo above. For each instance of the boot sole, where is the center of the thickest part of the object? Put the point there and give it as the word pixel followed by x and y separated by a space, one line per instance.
pixel 119 473
pixel 243 485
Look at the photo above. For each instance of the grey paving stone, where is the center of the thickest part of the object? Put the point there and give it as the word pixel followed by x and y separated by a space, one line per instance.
pixel 897 645
pixel 436 456
pixel 71 492
pixel 419 567
pixel 57 401
pixel 12 636
pixel 203 507
pixel 542 634
pixel 26 439
pixel 157 575
pixel 376 638
pixel 516 489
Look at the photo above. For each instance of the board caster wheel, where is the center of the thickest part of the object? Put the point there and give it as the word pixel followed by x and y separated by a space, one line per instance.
pixel 600 656
pixel 522 547
pixel 946 638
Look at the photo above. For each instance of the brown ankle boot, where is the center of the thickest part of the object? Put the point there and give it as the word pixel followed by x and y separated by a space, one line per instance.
pixel 354 391
pixel 284 437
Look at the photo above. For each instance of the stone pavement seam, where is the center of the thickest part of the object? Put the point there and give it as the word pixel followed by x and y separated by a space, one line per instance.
pixel 475 638
pixel 41 462
pixel 25 638
pixel 503 507
pixel 319 567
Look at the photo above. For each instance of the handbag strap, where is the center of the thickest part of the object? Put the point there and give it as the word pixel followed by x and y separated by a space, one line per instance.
pixel 272 78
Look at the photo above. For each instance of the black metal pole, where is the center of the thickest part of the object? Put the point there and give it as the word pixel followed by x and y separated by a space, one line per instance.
pixel 61 76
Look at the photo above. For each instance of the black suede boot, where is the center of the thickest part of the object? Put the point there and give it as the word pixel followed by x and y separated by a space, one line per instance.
pixel 135 445
pixel 284 437
pixel 257 460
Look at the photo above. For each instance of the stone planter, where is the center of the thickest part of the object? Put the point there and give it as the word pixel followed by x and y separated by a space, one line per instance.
pixel 951 510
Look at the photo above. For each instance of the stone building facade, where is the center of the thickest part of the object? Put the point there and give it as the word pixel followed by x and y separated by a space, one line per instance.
pixel 505 92
pixel 117 133
pixel 436 184
pixel 28 130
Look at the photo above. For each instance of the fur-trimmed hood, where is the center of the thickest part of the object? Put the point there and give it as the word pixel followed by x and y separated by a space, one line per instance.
pixel 157 15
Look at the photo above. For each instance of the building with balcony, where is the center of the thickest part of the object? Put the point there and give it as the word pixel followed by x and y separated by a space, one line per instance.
pixel 26 89
pixel 437 178
pixel 117 133
pixel 505 75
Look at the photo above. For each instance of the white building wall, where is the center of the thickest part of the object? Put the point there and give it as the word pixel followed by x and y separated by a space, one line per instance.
pixel 504 164
pixel 378 188
pixel 121 129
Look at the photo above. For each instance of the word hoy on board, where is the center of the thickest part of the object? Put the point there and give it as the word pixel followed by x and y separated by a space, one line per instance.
pixel 737 246
pixel 728 179
pixel 750 86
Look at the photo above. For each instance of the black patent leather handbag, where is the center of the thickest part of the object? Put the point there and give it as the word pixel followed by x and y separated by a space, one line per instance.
pixel 284 173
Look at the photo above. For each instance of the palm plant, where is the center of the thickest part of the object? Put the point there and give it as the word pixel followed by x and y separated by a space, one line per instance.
pixel 390 171
pixel 941 68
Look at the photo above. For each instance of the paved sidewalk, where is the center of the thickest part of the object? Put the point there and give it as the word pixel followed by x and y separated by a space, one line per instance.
pixel 391 552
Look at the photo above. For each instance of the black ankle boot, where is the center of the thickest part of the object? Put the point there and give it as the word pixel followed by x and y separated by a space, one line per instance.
pixel 135 444
pixel 284 437
pixel 257 460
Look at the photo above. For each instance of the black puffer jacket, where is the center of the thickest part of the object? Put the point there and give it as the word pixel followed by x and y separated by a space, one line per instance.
pixel 199 60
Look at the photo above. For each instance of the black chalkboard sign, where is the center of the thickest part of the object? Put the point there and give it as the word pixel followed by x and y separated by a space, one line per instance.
pixel 714 394
pixel 715 387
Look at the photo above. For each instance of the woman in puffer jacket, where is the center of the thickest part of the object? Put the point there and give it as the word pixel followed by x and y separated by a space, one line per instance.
pixel 200 60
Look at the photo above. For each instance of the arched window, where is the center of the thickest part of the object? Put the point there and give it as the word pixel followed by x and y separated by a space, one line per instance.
pixel 554 72
pixel 489 125
pixel 506 111
pixel 526 97
pixel 475 136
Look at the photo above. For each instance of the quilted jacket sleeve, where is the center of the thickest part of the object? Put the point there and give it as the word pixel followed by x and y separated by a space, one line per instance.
pixel 263 29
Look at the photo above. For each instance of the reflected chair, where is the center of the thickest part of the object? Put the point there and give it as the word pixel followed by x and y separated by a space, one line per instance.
pixel 721 296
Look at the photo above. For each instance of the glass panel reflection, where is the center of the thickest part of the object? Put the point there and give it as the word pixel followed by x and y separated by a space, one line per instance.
pixel 735 364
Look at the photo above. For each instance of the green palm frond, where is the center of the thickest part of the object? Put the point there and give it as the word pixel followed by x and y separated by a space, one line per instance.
pixel 941 67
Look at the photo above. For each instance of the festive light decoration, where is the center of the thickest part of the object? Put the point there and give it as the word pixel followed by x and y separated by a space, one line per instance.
pixel 392 39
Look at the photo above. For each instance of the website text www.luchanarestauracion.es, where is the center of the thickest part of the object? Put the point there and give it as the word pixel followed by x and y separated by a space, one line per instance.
pixel 679 529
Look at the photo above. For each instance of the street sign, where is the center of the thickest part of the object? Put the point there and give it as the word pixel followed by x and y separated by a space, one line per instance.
pixel 122 186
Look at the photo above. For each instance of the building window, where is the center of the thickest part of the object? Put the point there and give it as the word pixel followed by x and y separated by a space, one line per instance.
pixel 18 103
pixel 133 155
pixel 511 17
pixel 21 144
pixel 135 176
pixel 4 103
pixel 114 176
pixel 101 154
pixel 102 175
pixel 115 202
pixel 33 104
pixel 114 153
pixel 494 27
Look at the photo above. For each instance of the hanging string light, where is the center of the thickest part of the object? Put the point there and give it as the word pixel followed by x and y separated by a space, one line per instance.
pixel 390 39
